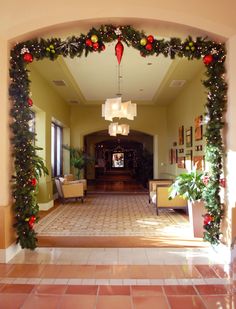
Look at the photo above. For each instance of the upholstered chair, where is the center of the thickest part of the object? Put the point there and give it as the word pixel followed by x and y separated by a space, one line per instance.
pixel 69 189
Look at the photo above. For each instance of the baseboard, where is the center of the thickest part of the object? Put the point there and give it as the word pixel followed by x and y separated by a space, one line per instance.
pixel 46 206
pixel 7 254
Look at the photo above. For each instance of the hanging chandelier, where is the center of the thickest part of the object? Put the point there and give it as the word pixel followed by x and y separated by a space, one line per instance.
pixel 115 128
pixel 115 108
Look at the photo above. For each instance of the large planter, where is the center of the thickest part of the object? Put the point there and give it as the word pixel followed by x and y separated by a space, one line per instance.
pixel 196 211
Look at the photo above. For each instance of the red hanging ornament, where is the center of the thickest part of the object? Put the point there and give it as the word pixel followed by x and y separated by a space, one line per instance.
pixel 28 57
pixel 103 47
pixel 150 39
pixel 148 47
pixel 207 59
pixel 95 46
pixel 33 182
pixel 208 219
pixel 30 102
pixel 89 43
pixel 119 48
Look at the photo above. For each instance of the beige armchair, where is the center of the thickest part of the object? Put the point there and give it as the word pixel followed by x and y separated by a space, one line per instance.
pixel 152 187
pixel 162 199
pixel 69 189
pixel 70 177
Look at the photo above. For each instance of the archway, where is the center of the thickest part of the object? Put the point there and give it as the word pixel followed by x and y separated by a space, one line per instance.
pixel 29 165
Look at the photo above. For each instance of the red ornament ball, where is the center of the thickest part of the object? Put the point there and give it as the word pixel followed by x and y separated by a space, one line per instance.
pixel 223 182
pixel 103 47
pixel 89 43
pixel 150 39
pixel 208 219
pixel 28 57
pixel 30 102
pixel 207 59
pixel 33 182
pixel 148 47
pixel 32 219
pixel 95 46
pixel 142 54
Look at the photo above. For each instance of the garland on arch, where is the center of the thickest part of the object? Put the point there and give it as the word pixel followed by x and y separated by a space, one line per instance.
pixel 29 166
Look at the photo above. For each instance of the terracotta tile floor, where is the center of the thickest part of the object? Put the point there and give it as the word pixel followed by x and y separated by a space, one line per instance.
pixel 143 279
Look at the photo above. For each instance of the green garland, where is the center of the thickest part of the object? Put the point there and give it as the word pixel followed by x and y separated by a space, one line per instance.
pixel 29 167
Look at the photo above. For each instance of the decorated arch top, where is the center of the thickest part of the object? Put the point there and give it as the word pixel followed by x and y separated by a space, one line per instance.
pixel 95 40
pixel 29 166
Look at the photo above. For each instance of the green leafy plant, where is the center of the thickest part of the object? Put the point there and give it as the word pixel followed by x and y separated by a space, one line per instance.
pixel 78 158
pixel 189 185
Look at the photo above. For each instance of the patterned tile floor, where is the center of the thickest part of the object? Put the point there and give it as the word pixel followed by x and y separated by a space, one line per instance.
pixel 113 215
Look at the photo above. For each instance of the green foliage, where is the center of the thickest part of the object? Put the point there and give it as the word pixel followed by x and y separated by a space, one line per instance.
pixel 188 185
pixel 78 158
pixel 27 164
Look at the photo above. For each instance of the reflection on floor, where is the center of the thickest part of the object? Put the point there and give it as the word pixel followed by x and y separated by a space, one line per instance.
pixel 117 278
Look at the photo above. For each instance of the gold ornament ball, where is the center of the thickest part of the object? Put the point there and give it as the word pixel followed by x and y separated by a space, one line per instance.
pixel 190 43
pixel 187 48
pixel 94 38
pixel 143 41
pixel 192 48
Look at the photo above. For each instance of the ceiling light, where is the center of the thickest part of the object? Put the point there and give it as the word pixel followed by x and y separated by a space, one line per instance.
pixel 115 128
pixel 114 108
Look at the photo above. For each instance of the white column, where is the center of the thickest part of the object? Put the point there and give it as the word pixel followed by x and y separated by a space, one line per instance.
pixel 230 143
pixel 4 125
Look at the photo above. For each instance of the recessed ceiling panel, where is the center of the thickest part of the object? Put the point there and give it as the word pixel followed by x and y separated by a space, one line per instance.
pixel 97 74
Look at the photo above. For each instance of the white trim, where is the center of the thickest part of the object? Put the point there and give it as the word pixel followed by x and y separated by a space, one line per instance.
pixel 7 254
pixel 225 252
pixel 46 206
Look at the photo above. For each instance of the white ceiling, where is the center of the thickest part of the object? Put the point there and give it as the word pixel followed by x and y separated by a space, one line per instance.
pixel 97 74
pixel 92 79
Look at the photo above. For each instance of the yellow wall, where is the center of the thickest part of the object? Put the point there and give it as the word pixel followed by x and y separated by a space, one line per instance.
pixel 48 105
pixel 187 106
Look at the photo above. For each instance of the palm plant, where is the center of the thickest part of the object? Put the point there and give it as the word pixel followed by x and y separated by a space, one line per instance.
pixel 78 158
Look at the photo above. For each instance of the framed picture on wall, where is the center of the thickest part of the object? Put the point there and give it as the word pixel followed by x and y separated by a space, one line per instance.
pixel 199 162
pixel 175 155
pixel 181 162
pixel 181 135
pixel 198 128
pixel 171 154
pixel 188 159
pixel 189 137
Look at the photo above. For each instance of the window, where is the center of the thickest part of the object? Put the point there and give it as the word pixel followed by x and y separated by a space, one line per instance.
pixel 56 149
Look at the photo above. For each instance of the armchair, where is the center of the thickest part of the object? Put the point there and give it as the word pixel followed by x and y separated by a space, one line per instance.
pixel 70 177
pixel 152 187
pixel 162 199
pixel 69 189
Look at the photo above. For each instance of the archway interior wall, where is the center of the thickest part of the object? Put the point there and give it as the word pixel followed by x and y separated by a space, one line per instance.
pixel 207 46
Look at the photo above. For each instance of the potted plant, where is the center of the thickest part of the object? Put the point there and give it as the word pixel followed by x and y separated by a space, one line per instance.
pixel 191 185
pixel 78 158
